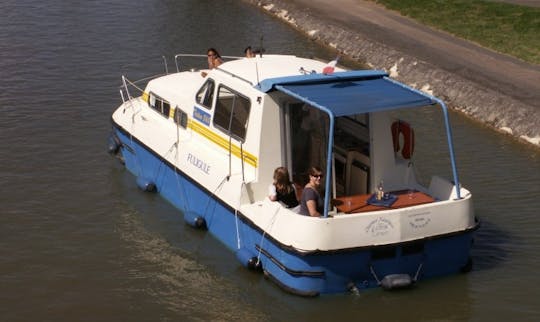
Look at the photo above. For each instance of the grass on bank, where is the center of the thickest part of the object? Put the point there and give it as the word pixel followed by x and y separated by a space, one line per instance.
pixel 503 27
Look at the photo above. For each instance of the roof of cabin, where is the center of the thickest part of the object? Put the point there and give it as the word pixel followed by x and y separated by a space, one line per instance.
pixel 259 68
pixel 177 86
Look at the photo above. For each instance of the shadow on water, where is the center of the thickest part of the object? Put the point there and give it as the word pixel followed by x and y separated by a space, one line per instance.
pixel 420 303
pixel 491 246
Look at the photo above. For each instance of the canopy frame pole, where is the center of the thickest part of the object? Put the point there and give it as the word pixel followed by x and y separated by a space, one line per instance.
pixel 449 136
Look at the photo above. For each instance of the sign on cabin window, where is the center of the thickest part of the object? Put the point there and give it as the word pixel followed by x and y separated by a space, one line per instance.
pixel 232 113
pixel 159 104
pixel 205 95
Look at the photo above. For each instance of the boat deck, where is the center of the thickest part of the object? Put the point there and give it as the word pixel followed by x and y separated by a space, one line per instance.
pixel 359 203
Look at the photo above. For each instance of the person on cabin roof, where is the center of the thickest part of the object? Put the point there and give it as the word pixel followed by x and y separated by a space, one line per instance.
pixel 282 189
pixel 311 203
pixel 249 52
pixel 214 59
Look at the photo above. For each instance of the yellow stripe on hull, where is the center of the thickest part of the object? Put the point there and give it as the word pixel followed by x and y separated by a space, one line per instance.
pixel 222 142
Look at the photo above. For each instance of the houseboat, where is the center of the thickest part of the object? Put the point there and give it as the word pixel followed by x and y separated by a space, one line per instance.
pixel 209 140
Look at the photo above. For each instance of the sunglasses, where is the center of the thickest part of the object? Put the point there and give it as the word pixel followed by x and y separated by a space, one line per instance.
pixel 317 176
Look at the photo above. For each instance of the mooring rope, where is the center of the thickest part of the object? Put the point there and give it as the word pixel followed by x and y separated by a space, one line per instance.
pixel 181 189
pixel 139 169
pixel 271 223
pixel 213 193
pixel 162 162
pixel 418 272
pixel 236 216
pixel 374 275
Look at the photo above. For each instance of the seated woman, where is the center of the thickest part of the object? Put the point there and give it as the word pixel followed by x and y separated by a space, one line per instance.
pixel 282 189
pixel 312 204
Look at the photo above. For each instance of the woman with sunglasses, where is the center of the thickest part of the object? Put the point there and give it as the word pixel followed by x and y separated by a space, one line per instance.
pixel 312 204
pixel 214 59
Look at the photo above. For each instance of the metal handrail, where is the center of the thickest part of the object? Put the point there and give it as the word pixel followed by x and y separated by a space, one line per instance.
pixel 165 63
pixel 125 87
pixel 126 83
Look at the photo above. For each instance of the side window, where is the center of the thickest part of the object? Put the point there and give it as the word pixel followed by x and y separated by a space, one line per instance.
pixel 232 113
pixel 205 95
pixel 159 104
pixel 180 117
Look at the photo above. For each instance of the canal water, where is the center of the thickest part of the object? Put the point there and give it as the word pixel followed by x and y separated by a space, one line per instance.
pixel 80 242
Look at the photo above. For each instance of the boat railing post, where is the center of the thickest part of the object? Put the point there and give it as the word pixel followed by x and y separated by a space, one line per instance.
pixel 176 62
pixel 230 135
pixel 125 81
pixel 165 63
pixel 329 160
pixel 122 95
pixel 242 160
pixel 450 140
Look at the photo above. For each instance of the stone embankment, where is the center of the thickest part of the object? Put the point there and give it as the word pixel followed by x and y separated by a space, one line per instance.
pixel 497 90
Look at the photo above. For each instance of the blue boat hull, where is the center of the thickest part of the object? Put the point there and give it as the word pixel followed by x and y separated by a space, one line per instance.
pixel 302 273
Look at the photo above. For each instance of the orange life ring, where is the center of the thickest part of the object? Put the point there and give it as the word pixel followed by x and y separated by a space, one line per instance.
pixel 402 127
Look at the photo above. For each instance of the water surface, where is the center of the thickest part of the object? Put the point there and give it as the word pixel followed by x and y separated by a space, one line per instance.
pixel 79 241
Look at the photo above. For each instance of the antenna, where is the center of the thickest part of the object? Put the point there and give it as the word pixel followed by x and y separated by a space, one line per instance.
pixel 260 55
pixel 262 48
pixel 257 72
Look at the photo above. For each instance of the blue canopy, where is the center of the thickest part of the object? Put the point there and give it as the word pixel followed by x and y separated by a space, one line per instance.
pixel 348 93
pixel 354 92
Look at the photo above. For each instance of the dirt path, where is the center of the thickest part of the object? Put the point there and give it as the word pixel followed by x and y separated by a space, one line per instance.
pixel 499 72
pixel 529 3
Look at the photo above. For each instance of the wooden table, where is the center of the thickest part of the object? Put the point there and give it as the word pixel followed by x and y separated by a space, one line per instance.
pixel 358 203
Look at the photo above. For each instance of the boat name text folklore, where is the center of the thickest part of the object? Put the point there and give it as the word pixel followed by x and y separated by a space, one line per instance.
pixel 198 163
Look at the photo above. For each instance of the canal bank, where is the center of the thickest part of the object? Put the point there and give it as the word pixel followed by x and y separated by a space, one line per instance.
pixel 494 89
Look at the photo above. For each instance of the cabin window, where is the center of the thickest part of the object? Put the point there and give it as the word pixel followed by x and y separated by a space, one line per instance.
pixel 180 117
pixel 205 95
pixel 159 104
pixel 232 113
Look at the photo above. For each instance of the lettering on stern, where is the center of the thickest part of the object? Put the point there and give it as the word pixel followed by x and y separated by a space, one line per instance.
pixel 198 163
pixel 419 220
pixel 379 227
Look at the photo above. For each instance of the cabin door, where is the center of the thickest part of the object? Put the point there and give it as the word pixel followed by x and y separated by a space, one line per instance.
pixel 306 139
